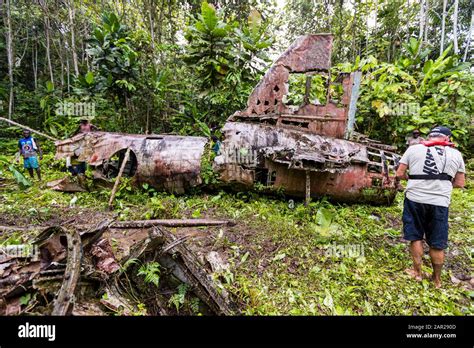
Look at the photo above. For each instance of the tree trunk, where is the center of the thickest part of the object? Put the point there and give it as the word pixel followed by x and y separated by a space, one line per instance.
pixel 469 35
pixel 443 27
pixel 68 77
pixel 48 47
pixel 455 26
pixel 367 27
pixel 422 20
pixel 354 29
pixel 10 56
pixel 151 19
pixel 25 127
pixel 160 21
pixel 61 59
pixel 34 57
pixel 147 125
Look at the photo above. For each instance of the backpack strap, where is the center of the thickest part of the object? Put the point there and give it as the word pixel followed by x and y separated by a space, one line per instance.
pixel 442 176
pixel 438 161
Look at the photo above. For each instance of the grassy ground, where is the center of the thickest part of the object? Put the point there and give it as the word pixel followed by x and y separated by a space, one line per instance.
pixel 285 258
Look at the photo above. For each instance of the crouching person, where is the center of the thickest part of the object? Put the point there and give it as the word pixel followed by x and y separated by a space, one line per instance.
pixel 435 167
pixel 77 169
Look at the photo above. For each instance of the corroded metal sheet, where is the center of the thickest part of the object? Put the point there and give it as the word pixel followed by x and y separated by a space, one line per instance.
pixel 305 149
pixel 310 54
pixel 344 170
pixel 164 161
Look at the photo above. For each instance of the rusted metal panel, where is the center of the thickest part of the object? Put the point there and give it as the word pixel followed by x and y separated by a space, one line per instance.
pixel 340 169
pixel 353 103
pixel 164 161
pixel 308 53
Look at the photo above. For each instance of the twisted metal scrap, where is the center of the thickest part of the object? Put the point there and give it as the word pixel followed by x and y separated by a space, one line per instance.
pixel 65 297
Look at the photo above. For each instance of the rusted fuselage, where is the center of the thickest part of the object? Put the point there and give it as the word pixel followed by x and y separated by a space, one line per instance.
pixel 291 159
pixel 168 162
pixel 308 150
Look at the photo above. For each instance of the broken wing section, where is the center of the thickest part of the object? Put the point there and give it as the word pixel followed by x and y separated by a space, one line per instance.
pixel 168 162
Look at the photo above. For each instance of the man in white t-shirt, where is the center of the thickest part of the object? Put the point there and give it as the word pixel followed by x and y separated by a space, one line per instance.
pixel 435 167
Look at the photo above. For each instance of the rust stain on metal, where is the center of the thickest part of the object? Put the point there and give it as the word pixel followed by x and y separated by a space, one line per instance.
pixel 165 161
pixel 270 142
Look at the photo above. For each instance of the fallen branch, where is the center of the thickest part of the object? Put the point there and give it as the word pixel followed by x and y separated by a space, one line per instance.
pixel 25 127
pixel 103 225
pixel 172 223
pixel 19 228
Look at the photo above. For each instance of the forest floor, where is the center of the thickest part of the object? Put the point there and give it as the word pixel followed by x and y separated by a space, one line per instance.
pixel 285 258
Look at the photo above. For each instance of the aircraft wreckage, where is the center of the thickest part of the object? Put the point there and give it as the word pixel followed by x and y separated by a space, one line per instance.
pixel 308 150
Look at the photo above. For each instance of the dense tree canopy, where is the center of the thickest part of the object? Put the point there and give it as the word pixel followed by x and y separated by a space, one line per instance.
pixel 185 66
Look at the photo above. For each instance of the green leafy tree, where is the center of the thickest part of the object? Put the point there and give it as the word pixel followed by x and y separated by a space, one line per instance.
pixel 226 60
pixel 209 50
pixel 114 59
pixel 408 94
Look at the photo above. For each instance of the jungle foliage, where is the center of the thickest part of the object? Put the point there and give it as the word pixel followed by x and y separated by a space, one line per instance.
pixel 183 67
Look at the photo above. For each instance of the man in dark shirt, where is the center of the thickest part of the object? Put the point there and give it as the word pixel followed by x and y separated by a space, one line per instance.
pixel 415 138
pixel 29 149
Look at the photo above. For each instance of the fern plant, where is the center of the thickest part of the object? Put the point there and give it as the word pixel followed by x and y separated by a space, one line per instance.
pixel 179 298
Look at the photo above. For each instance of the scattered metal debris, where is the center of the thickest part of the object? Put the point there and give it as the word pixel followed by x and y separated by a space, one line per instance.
pixel 65 185
pixel 68 266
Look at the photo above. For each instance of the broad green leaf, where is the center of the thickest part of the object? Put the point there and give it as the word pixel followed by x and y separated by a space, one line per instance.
pixel 89 77
pixel 209 16
pixel 53 130
pixel 324 217
pixel 19 177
